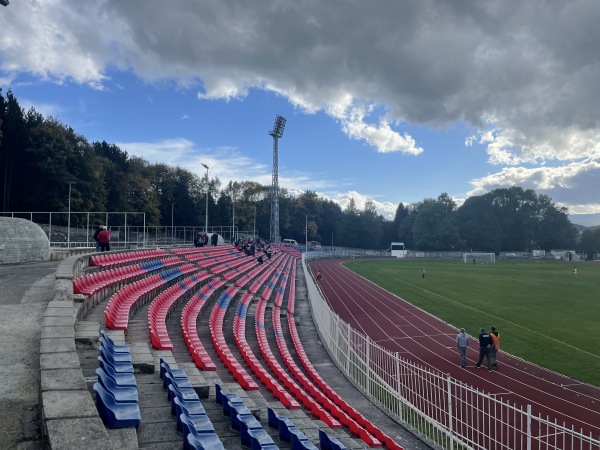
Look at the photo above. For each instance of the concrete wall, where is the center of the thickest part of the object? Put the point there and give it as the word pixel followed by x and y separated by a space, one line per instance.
pixel 22 241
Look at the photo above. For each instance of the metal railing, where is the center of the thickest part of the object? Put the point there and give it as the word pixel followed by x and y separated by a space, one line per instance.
pixel 129 229
pixel 441 409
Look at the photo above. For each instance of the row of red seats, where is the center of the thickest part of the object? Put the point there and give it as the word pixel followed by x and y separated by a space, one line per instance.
pixel 260 280
pixel 291 304
pixel 251 276
pixel 216 260
pixel 343 417
pixel 237 271
pixel 334 396
pixel 225 265
pixel 116 313
pixel 189 319
pixel 239 334
pixel 218 339
pixel 120 305
pixel 284 281
pixel 94 282
pixel 117 259
pixel 203 255
pixel 193 250
pixel 305 399
pixel 162 304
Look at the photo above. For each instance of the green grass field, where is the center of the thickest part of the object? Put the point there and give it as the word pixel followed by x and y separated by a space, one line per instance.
pixel 544 314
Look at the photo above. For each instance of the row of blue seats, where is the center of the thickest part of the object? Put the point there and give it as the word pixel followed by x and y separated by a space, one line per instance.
pixel 252 433
pixel 192 421
pixel 288 431
pixel 116 389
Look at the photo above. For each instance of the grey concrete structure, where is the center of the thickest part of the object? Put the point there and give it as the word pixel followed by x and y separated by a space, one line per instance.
pixel 22 241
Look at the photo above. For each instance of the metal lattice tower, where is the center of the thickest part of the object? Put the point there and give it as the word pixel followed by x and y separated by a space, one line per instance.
pixel 277 133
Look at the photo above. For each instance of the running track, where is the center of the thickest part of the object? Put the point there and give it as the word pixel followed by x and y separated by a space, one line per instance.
pixel 426 340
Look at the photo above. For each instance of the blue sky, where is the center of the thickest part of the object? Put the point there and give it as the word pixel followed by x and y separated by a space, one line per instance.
pixel 424 97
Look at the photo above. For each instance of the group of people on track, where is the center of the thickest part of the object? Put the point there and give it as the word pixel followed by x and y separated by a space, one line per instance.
pixel 489 344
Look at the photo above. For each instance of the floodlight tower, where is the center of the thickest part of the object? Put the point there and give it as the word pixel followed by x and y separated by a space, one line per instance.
pixel 277 133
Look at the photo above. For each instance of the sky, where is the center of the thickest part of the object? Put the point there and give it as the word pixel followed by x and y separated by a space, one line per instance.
pixel 387 100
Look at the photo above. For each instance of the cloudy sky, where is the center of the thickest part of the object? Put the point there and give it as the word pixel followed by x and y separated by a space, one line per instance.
pixel 389 100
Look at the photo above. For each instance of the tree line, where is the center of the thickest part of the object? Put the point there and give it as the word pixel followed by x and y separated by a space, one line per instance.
pixel 40 156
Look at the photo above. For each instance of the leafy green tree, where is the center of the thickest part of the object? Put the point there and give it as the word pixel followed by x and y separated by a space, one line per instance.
pixel 479 228
pixel 435 227
pixel 372 228
pixel 589 242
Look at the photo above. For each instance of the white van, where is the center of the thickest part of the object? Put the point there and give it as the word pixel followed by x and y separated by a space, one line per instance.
pixel 289 242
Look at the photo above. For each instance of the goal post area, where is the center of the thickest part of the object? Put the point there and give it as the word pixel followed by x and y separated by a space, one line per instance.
pixel 476 257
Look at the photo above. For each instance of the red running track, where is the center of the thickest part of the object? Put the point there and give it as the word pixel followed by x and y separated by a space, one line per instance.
pixel 426 340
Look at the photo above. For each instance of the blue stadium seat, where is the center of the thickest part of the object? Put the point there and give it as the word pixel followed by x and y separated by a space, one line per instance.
pixel 114 348
pixel 113 414
pixel 120 379
pixel 111 356
pixel 247 423
pixel 327 442
pixel 122 394
pixel 260 439
pixel 120 367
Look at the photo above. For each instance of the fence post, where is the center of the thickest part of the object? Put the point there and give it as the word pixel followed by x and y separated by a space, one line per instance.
pixel 528 427
pixel 450 416
pixel 399 377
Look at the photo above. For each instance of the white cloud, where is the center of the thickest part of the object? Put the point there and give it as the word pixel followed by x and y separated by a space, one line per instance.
pixel 574 185
pixel 526 74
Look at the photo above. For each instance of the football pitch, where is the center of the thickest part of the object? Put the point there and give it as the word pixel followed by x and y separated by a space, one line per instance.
pixel 544 313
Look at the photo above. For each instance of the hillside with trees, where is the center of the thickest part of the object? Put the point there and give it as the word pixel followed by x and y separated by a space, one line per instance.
pixel 39 156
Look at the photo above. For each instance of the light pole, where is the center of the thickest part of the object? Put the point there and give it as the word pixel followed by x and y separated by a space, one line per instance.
pixel 232 214
pixel 306 233
pixel 172 227
pixel 206 217
pixel 254 229
pixel 69 216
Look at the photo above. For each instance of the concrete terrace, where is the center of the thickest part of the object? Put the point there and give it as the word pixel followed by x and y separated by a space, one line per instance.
pixel 68 347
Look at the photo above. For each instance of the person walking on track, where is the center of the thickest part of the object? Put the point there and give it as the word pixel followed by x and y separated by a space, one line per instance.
pixel 495 346
pixel 462 342
pixel 485 344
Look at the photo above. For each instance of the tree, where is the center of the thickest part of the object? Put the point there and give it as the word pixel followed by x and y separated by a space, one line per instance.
pixel 479 227
pixel 435 227
pixel 589 242
pixel 372 226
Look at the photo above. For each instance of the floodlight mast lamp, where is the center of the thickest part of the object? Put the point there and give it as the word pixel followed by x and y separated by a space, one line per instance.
pixel 276 133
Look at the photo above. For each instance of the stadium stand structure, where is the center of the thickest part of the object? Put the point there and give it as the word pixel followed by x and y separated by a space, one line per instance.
pixel 186 284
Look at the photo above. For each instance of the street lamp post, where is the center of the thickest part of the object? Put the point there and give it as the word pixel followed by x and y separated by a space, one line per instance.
pixel 232 215
pixel 306 233
pixel 69 216
pixel 206 216
pixel 172 224
pixel 254 229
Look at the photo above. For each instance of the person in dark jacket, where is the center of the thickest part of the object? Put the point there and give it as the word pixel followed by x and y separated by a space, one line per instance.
pixel 214 239
pixel 485 345
pixel 96 233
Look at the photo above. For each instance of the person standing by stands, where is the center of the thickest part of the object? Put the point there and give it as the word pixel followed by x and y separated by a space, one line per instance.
pixel 96 233
pixel 495 347
pixel 214 239
pixel 104 239
pixel 462 342
pixel 485 344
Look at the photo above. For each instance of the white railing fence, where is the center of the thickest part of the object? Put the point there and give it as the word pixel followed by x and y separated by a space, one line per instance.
pixel 436 406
